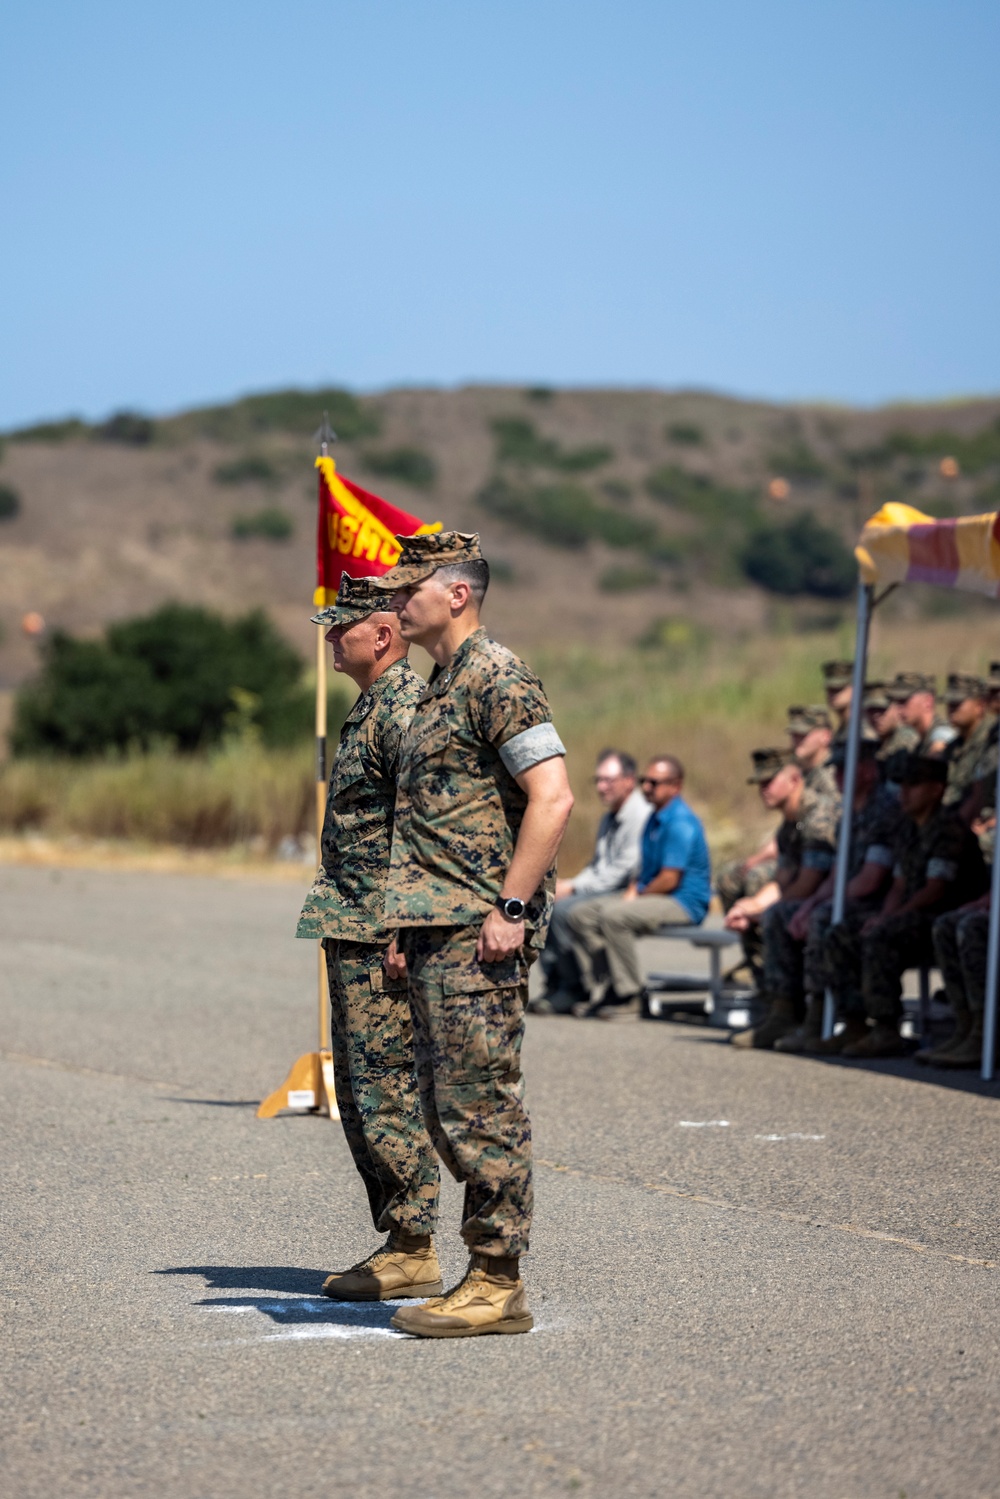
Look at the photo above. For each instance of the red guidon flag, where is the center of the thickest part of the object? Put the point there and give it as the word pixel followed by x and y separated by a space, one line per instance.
pixel 357 532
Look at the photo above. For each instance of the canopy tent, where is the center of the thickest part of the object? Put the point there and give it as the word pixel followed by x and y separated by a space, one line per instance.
pixel 902 545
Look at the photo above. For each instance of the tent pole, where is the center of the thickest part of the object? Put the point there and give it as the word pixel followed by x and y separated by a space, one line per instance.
pixel 992 959
pixel 865 595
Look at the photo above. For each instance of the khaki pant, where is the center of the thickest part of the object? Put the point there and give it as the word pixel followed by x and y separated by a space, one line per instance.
pixel 604 937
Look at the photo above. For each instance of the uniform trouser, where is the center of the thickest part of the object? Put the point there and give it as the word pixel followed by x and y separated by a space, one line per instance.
pixel 558 958
pixel 468 1024
pixel 376 1085
pixel 605 931
pixel 865 972
pixel 960 946
pixel 732 883
pixel 797 970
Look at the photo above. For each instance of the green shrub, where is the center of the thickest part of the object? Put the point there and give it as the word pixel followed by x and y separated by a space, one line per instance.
pixel 796 461
pixel 519 443
pixel 408 465
pixel 685 434
pixel 270 524
pixel 801 557
pixel 701 496
pixel 539 393
pixel 10 502
pixel 617 491
pixel 298 412
pixel 564 515
pixel 51 431
pixel 627 579
pixel 127 427
pixel 176 675
pixel 252 468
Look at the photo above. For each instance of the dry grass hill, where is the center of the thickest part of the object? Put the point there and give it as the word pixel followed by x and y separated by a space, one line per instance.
pixel 606 511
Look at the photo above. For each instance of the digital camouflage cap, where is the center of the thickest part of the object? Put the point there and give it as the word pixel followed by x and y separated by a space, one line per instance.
pixel 837 674
pixel 356 599
pixel 963 684
pixel 767 763
pixel 876 699
pixel 905 683
pixel 802 720
pixel 423 555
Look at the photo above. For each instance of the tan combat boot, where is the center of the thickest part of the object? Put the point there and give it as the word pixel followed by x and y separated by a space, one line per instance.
pixel 810 1030
pixel 968 1052
pixel 779 1022
pixel 882 1040
pixel 406 1265
pixel 491 1298
pixel 929 1055
pixel 855 1029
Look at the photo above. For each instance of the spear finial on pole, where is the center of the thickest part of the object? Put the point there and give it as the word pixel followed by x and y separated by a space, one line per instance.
pixel 324 435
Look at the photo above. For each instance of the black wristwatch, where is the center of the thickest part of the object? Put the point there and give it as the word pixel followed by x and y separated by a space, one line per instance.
pixel 512 907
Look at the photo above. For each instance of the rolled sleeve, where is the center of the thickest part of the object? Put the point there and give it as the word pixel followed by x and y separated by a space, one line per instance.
pixel 531 747
pixel 942 869
pixel 879 853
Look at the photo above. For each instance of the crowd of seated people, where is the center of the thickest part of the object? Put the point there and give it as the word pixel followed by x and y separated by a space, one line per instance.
pixel 922 835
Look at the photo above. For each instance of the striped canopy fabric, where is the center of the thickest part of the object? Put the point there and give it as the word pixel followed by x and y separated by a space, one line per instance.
pixel 902 545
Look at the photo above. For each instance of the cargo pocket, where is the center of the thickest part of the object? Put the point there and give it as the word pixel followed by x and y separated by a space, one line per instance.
pixel 389 1041
pixel 482 1021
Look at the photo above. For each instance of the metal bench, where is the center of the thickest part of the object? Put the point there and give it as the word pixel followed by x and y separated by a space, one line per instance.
pixel 724 1006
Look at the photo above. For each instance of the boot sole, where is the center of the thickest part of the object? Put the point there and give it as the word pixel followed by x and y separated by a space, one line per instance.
pixel 511 1325
pixel 402 1293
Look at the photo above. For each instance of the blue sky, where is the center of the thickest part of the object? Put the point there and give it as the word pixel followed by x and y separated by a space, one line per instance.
pixel 792 200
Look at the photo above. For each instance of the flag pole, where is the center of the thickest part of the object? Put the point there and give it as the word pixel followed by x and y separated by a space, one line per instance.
pixel 310 1084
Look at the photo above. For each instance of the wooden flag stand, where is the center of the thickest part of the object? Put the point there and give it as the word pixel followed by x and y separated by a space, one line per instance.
pixel 309 1086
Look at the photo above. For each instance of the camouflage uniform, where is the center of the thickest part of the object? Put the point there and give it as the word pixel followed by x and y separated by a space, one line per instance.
pixel 371 1037
pixel 960 939
pixel 479 723
pixel 868 969
pixel 900 690
pixel 795 969
pixel 965 755
pixel 734 880
pixel 809 841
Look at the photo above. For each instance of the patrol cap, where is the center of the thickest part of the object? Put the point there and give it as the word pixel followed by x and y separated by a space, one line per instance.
pixel 963 684
pixel 837 674
pixel 876 698
pixel 905 683
pixel 356 599
pixel 803 720
pixel 867 750
pixel 767 763
pixel 422 555
pixel 918 770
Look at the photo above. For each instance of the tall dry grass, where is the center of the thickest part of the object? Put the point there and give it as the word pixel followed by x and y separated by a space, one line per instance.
pixel 708 702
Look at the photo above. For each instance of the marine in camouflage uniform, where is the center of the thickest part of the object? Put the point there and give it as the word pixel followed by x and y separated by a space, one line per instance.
pixel 795 968
pixel 838 677
pixel 811 733
pixel 481 721
pixel 371 1033
pixel 864 970
pixel 934 738
pixel 895 739
pixel 967 752
pixel 806 841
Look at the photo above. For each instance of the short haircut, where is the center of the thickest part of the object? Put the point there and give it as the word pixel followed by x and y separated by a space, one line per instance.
pixel 672 763
pixel 476 573
pixel 625 760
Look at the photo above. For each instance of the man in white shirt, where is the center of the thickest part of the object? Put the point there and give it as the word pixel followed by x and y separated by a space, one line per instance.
pixel 616 857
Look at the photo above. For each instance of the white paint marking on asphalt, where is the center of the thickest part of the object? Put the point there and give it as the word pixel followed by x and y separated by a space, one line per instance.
pixel 703 1124
pixel 790 1137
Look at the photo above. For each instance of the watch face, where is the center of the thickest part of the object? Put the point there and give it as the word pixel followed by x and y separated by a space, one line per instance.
pixel 514 908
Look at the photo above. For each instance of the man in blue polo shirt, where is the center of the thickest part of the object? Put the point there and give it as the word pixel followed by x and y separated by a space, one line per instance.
pixel 672 888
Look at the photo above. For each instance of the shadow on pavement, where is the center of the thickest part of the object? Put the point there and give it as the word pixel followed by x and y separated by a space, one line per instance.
pixel 292 1279
pixel 301 1302
pixel 219 1103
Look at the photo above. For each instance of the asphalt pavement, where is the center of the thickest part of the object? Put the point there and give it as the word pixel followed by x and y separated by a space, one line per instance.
pixel 752 1275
